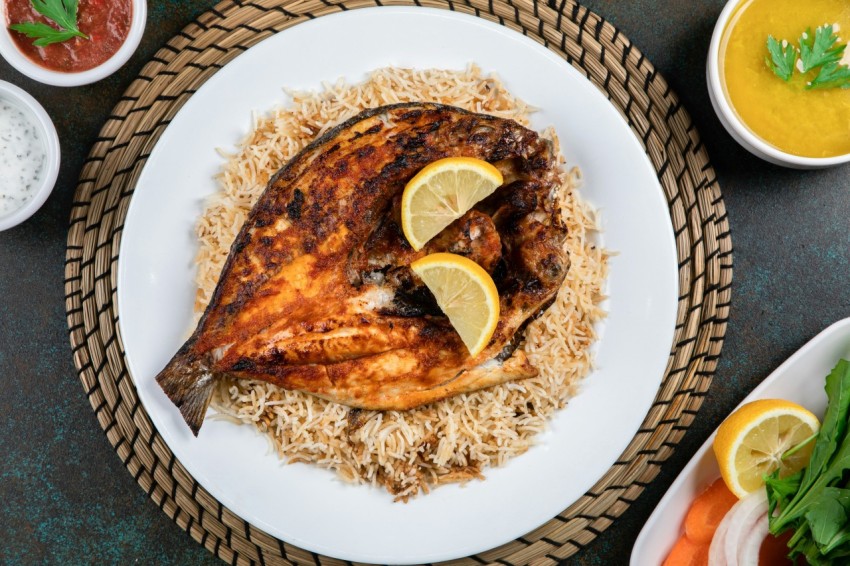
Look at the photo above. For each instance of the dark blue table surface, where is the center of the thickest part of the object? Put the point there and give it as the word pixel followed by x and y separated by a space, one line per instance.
pixel 66 498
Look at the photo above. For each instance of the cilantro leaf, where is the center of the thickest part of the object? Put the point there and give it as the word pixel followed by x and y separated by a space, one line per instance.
pixel 62 12
pixel 783 56
pixel 832 75
pixel 44 34
pixel 819 49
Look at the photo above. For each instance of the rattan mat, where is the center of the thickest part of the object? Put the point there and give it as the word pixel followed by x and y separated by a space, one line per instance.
pixel 585 40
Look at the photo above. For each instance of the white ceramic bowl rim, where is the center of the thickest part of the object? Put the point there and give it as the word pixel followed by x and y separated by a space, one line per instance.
pixel 33 70
pixel 715 85
pixel 36 112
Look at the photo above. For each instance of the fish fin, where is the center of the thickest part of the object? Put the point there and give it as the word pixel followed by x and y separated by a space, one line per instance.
pixel 189 384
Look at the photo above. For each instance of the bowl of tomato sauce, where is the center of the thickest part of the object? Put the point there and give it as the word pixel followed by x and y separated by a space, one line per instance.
pixel 70 43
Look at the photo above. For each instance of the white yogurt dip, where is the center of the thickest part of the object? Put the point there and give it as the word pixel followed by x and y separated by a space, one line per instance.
pixel 22 157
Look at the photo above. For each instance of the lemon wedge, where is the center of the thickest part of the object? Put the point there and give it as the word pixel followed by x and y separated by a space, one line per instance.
pixel 465 293
pixel 751 443
pixel 442 192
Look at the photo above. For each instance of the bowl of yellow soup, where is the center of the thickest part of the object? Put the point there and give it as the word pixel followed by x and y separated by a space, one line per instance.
pixel 779 79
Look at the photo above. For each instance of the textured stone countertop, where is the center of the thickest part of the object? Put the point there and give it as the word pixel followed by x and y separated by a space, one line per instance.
pixel 67 499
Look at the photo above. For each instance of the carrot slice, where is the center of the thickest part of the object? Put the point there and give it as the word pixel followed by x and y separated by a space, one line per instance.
pixel 707 511
pixel 687 553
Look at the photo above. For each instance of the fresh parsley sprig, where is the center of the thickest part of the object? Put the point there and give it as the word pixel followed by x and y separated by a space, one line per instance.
pixel 819 50
pixel 832 75
pixel 783 55
pixel 62 12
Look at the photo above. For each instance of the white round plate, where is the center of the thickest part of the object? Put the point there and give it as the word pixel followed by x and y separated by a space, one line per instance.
pixel 310 507
pixel 801 379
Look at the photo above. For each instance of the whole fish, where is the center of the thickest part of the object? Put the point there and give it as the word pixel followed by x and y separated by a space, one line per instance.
pixel 316 294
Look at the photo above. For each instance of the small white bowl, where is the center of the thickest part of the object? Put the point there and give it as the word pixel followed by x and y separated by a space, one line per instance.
pixel 30 106
pixel 10 52
pixel 733 124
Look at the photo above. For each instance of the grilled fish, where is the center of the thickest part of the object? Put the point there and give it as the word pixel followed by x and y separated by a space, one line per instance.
pixel 316 293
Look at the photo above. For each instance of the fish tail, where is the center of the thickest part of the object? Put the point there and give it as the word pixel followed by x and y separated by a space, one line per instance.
pixel 188 382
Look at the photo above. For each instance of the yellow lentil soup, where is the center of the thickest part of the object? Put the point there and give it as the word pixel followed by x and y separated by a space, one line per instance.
pixel 787 115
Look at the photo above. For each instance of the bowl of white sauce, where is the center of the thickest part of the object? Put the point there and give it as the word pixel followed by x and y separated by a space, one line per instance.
pixel 29 155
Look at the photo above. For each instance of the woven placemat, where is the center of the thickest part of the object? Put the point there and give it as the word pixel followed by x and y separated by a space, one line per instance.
pixel 585 40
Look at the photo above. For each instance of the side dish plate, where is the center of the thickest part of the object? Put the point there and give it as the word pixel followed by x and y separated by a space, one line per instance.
pixel 800 379
pixel 310 507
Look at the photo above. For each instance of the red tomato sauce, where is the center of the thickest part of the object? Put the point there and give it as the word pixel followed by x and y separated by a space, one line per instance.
pixel 105 22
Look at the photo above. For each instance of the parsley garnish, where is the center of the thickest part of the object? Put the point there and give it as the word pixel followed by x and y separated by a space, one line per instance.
pixel 819 51
pixel 62 12
pixel 832 75
pixel 783 56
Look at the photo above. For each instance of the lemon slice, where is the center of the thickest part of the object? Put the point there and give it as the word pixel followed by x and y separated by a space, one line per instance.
pixel 751 441
pixel 442 192
pixel 465 293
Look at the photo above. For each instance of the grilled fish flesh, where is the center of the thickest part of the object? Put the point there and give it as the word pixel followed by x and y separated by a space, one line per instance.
pixel 316 294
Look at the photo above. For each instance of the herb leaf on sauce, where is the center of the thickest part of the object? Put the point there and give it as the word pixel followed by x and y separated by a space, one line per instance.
pixel 783 55
pixel 61 12
pixel 44 33
pixel 832 75
pixel 819 51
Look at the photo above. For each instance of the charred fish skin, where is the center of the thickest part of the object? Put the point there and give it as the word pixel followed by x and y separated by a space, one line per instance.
pixel 316 294
pixel 188 383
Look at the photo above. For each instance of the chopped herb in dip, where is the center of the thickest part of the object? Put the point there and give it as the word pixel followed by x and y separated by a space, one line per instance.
pixel 22 158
